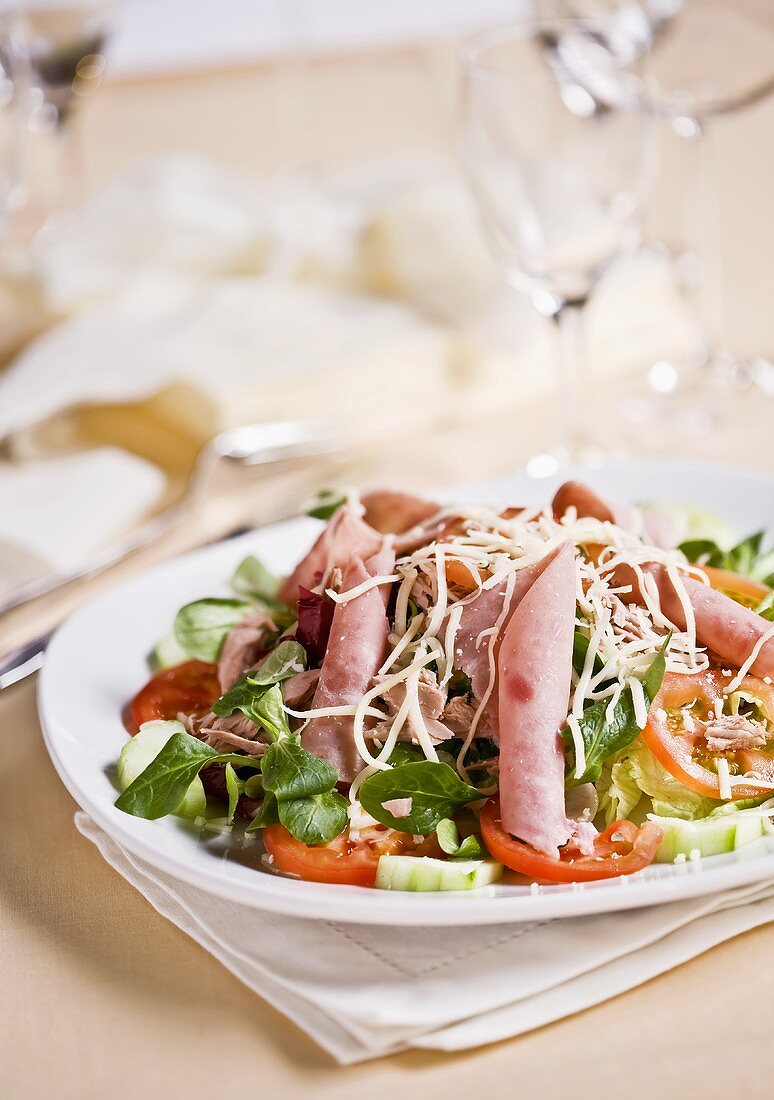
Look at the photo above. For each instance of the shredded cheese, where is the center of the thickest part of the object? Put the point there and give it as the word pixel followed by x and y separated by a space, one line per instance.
pixel 724 778
pixel 359 589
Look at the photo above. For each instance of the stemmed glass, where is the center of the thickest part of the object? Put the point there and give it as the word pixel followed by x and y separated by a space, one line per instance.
pixel 58 52
pixel 12 126
pixel 717 61
pixel 559 179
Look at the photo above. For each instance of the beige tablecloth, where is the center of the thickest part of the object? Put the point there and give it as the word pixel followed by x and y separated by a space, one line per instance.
pixel 103 998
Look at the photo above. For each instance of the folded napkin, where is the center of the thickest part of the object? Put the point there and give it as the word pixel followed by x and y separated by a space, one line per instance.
pixel 364 991
pixel 56 512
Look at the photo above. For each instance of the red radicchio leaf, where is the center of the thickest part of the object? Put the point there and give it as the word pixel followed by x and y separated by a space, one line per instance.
pixel 315 615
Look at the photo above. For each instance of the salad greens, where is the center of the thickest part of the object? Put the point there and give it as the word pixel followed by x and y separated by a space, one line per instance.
pixel 580 647
pixel 635 772
pixel 433 789
pixel 766 607
pixel 298 786
pixel 747 557
pixel 160 789
pixel 449 840
pixel 300 794
pixel 235 787
pixel 328 501
pixel 253 580
pixel 201 627
pixel 252 694
pixel 603 736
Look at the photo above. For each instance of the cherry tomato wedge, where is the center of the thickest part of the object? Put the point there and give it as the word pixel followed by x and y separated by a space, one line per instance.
pixel 191 688
pixel 343 860
pixel 739 588
pixel 621 849
pixel 459 575
pixel 674 738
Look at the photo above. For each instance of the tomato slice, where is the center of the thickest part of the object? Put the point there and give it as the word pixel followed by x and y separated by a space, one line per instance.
pixel 671 737
pixel 343 860
pixel 621 849
pixel 462 577
pixel 190 688
pixel 739 588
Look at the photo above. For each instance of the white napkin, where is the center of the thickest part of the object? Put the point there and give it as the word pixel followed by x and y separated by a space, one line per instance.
pixel 237 350
pixel 362 991
pixel 55 512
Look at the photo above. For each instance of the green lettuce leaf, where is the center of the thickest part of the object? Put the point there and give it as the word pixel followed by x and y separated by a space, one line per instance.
pixel 201 627
pixel 636 772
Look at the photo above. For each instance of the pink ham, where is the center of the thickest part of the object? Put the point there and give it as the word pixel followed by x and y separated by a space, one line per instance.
pixel 574 494
pixel 481 613
pixel 589 505
pixel 393 513
pixel 344 536
pixel 535 670
pixel 356 649
pixel 722 624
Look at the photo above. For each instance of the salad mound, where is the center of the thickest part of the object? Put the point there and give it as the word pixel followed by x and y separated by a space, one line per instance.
pixel 436 693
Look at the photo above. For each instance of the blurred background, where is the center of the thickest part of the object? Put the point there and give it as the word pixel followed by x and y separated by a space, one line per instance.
pixel 425 242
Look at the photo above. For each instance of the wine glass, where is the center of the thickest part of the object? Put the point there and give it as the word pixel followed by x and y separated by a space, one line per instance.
pixel 628 28
pixel 12 127
pixel 59 52
pixel 717 62
pixel 559 180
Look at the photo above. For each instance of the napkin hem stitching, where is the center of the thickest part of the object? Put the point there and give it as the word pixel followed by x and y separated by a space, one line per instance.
pixel 413 972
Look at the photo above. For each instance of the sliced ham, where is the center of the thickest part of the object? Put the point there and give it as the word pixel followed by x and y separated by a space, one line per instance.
pixel 722 625
pixel 589 505
pixel 344 536
pixel 356 649
pixel 535 671
pixel 574 494
pixel 243 646
pixel 480 614
pixel 393 513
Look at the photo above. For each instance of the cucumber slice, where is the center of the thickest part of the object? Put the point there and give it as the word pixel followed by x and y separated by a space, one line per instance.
pixel 710 836
pixel 169 652
pixel 423 874
pixel 142 749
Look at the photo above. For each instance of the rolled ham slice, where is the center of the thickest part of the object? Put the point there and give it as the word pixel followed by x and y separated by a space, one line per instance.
pixel 534 676
pixel 393 513
pixel 574 494
pixel 356 649
pixel 722 625
pixel 344 536
pixel 588 504
pixel 480 614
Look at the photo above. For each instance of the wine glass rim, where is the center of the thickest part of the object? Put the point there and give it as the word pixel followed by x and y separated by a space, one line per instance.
pixel 471 52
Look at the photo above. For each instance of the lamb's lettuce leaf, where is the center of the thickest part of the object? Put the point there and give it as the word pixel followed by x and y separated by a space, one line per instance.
pixel 254 581
pixel 202 627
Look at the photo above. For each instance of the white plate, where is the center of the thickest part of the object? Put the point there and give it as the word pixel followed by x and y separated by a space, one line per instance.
pixel 97 661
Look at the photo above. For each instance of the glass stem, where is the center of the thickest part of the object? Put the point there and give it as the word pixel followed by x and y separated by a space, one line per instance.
pixel 571 377
pixel 703 233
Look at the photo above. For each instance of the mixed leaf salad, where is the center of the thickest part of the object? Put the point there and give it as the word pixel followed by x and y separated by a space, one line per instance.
pixel 436 693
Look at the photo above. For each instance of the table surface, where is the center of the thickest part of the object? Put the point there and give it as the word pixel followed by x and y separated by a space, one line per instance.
pixel 104 997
